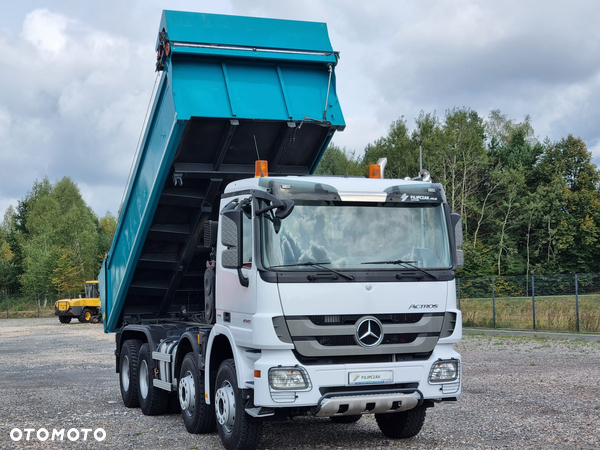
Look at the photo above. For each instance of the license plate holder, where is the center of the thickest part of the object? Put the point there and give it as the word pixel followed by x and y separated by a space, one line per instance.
pixel 371 377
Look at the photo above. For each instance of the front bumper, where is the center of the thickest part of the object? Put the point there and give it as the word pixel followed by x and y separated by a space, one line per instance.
pixel 330 392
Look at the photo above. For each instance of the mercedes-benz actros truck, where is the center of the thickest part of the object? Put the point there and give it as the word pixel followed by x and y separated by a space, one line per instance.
pixel 243 289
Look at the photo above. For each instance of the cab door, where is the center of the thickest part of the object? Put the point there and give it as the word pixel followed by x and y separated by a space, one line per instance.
pixel 236 303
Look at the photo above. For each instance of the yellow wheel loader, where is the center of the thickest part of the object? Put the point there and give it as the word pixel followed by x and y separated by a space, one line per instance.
pixel 83 309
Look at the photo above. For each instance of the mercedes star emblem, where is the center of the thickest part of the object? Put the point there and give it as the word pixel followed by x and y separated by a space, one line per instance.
pixel 369 332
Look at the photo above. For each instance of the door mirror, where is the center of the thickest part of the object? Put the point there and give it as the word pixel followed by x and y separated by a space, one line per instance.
pixel 458 238
pixel 285 210
pixel 231 237
pixel 458 232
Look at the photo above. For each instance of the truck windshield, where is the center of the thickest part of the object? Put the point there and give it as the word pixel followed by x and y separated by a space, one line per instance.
pixel 346 235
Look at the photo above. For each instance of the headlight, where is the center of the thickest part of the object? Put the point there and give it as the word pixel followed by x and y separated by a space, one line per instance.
pixel 287 378
pixel 444 371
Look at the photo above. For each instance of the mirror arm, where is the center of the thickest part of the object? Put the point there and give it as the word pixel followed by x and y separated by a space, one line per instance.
pixel 243 280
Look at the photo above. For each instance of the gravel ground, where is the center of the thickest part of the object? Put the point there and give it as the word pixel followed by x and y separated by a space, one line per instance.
pixel 518 392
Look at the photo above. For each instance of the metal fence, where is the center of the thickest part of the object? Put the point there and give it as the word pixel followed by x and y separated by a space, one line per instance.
pixel 539 302
pixel 26 306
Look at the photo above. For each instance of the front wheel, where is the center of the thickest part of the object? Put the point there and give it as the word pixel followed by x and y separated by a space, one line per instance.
pixel 235 429
pixel 86 315
pixel 402 425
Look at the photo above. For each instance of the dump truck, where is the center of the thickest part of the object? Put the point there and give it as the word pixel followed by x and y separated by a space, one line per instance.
pixel 84 309
pixel 243 289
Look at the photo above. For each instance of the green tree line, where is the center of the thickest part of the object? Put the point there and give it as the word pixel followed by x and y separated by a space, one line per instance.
pixel 527 207
pixel 52 242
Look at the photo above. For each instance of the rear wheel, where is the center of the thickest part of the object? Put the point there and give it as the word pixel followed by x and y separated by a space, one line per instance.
pixel 128 372
pixel 235 430
pixel 87 315
pixel 402 425
pixel 345 419
pixel 64 319
pixel 153 400
pixel 198 417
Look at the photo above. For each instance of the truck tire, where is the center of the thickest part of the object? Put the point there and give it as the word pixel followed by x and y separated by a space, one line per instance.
pixel 153 400
pixel 345 419
pixel 64 319
pixel 128 372
pixel 402 425
pixel 235 430
pixel 198 417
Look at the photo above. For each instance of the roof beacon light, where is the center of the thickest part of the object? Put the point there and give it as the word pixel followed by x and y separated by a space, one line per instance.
pixel 374 171
pixel 261 168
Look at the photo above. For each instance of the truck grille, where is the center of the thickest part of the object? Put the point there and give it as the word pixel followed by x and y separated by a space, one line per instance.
pixel 333 341
pixel 333 336
pixel 352 318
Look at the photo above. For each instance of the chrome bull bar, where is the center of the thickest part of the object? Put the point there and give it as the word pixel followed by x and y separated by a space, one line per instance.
pixel 368 402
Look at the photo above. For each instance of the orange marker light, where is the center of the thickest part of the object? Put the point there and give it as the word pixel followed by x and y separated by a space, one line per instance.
pixel 257 374
pixel 261 168
pixel 374 171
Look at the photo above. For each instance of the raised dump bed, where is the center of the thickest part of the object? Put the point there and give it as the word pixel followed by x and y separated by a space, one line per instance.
pixel 230 90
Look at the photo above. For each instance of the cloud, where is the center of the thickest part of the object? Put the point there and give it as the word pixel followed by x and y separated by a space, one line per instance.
pixel 77 78
pixel 46 31
pixel 76 104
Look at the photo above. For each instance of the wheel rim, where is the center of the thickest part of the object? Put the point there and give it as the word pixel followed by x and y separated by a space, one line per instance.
pixel 87 316
pixel 125 373
pixel 143 376
pixel 225 406
pixel 187 393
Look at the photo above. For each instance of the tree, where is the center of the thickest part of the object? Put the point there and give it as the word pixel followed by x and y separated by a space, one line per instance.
pixel 57 223
pixel 572 205
pixel 401 151
pixel 335 161
pixel 11 255
pixel 463 157
pixel 66 277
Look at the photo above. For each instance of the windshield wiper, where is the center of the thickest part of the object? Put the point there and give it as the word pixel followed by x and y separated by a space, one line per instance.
pixel 408 263
pixel 320 265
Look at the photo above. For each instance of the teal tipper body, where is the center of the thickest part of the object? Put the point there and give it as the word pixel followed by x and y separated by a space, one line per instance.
pixel 225 82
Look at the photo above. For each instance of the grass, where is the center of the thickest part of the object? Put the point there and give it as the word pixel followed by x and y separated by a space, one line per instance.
pixel 23 307
pixel 556 313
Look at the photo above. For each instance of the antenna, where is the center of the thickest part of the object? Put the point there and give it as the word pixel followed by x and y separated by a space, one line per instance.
pixel 257 155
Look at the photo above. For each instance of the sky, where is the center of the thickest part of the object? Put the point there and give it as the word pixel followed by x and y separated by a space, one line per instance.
pixel 77 76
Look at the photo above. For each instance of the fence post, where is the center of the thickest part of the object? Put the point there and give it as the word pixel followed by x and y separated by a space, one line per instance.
pixel 494 301
pixel 7 305
pixel 38 299
pixel 577 301
pixel 533 297
pixel 458 284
